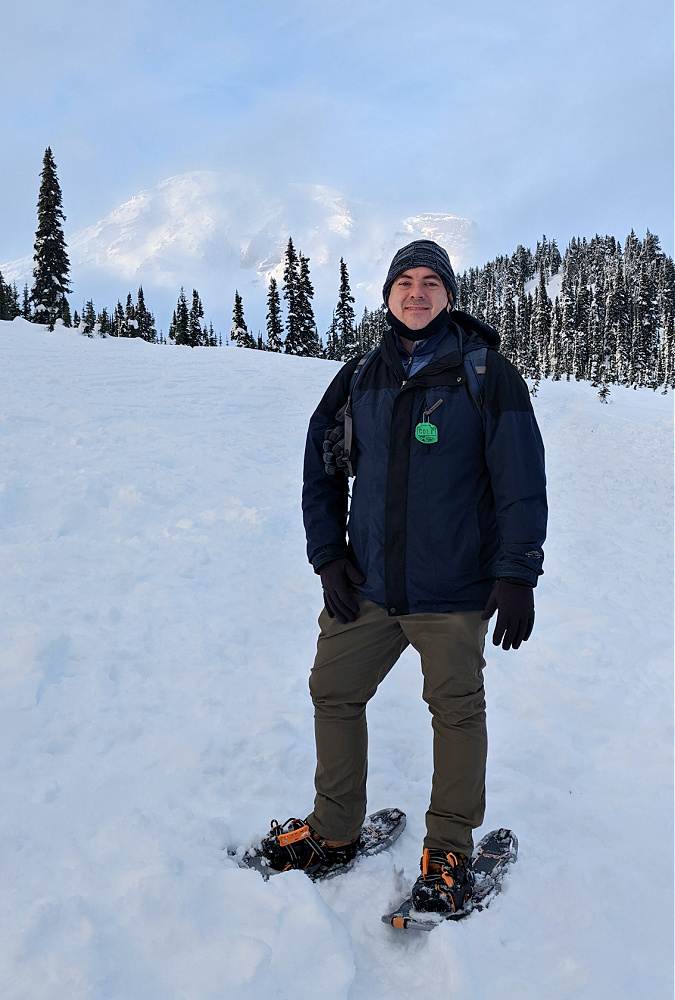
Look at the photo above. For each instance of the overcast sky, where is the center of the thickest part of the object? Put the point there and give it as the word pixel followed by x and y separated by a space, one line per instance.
pixel 524 117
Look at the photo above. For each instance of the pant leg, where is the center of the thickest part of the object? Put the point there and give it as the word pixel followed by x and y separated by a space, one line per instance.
pixel 351 661
pixel 451 647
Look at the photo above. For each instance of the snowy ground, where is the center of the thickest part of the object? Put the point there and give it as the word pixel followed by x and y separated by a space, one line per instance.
pixel 157 624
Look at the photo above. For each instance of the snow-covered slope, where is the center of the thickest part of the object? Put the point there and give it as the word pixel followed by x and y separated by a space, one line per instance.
pixel 157 625
pixel 215 232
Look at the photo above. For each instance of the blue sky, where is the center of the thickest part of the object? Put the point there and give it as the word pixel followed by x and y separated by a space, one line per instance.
pixel 522 117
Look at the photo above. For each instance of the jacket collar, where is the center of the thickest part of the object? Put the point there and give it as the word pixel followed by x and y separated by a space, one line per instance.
pixel 443 348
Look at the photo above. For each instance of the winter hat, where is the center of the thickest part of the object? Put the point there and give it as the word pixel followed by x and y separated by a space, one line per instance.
pixel 422 253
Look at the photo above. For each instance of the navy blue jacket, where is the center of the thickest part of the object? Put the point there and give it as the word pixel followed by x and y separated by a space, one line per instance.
pixel 431 526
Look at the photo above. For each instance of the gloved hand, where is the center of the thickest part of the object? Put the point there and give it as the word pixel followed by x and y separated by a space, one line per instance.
pixel 336 577
pixel 514 603
pixel 333 451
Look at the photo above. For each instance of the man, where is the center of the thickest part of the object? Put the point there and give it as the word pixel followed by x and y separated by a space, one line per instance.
pixel 446 526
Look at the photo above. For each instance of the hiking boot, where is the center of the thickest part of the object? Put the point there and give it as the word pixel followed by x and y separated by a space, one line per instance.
pixel 446 882
pixel 295 845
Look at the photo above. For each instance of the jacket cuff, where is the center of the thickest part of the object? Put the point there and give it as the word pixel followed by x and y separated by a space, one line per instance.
pixel 326 554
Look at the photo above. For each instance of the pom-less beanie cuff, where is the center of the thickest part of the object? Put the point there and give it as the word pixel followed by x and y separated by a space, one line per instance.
pixel 422 253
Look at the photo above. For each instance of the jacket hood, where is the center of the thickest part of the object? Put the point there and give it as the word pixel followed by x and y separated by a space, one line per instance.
pixel 473 327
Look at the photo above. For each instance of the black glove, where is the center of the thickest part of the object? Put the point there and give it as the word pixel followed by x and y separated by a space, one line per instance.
pixel 515 619
pixel 336 578
pixel 333 451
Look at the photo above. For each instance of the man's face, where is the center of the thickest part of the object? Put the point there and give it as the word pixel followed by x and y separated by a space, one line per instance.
pixel 418 296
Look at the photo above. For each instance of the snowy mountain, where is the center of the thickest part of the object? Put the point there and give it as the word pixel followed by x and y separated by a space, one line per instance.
pixel 157 625
pixel 215 232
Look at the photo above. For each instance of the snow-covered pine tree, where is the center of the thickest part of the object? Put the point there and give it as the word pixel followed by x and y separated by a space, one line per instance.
pixel 239 334
pixel 274 322
pixel 117 321
pixel 178 331
pixel 52 268
pixel 195 335
pixel 541 328
pixel 304 340
pixel 145 319
pixel 332 349
pixel 344 316
pixel 13 307
pixel 25 305
pixel 88 325
pixel 290 291
pixel 103 323
pixel 507 322
pixel 130 325
pixel 312 346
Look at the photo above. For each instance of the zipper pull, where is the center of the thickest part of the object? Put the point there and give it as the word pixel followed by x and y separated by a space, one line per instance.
pixel 404 382
pixel 428 412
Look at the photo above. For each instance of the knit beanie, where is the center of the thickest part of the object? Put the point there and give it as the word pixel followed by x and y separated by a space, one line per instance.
pixel 422 253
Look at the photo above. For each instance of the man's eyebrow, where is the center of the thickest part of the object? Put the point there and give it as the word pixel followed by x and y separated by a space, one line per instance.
pixel 427 277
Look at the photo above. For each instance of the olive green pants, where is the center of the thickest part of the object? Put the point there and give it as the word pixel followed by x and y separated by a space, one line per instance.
pixel 351 661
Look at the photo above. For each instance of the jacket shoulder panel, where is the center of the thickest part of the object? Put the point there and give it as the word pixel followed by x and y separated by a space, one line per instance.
pixel 505 388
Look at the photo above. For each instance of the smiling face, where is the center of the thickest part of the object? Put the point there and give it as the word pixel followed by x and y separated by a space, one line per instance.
pixel 418 296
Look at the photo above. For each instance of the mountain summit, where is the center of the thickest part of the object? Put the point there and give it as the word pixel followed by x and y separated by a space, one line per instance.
pixel 218 232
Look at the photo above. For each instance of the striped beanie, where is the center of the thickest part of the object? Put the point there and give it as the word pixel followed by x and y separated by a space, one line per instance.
pixel 422 253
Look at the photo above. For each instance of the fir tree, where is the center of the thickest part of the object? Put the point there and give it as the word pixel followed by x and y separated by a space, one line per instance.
pixel 239 334
pixel 344 317
pixel 145 319
pixel 306 343
pixel 178 331
pixel 3 299
pixel 25 306
pixel 103 323
pixel 117 323
pixel 333 350
pixel 88 319
pixel 52 267
pixel 291 281
pixel 196 336
pixel 130 325
pixel 274 324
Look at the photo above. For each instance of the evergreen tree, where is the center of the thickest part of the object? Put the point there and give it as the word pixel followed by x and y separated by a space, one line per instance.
pixel 344 317
pixel 3 299
pixel 291 282
pixel 130 324
pixel 507 323
pixel 145 319
pixel 13 306
pixel 52 267
pixel 333 351
pixel 25 306
pixel 179 329
pixel 274 324
pixel 103 323
pixel 117 323
pixel 239 334
pixel 196 336
pixel 88 319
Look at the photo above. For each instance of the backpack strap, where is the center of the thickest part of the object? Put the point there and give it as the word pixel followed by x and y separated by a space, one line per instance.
pixel 360 369
pixel 475 362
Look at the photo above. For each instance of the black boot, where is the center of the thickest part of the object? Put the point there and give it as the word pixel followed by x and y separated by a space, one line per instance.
pixel 295 845
pixel 446 882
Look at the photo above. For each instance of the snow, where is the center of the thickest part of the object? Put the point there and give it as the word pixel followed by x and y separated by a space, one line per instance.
pixel 157 627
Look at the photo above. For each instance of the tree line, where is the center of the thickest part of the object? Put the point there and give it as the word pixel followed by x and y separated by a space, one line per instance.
pixel 601 312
